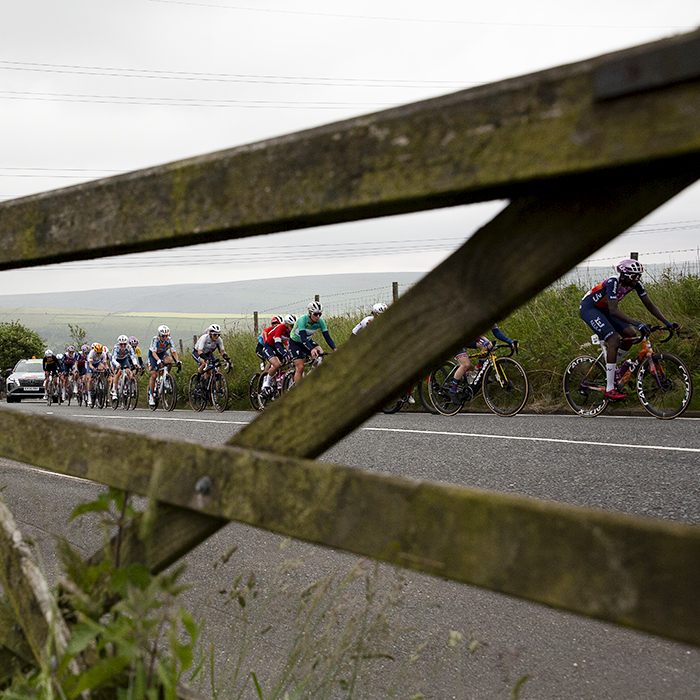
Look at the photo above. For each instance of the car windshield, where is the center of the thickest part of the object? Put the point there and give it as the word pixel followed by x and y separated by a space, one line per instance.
pixel 28 366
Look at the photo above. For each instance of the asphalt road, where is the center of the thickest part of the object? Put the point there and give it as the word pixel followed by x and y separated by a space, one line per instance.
pixel 635 465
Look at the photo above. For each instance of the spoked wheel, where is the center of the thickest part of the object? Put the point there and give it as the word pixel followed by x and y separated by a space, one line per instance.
pixel 253 394
pixel 392 406
pixel 80 396
pixel 69 395
pixel 505 387
pixel 584 386
pixel 439 384
pixel 49 394
pixel 219 392
pixel 198 400
pixel 664 385
pixel 115 401
pixel 169 392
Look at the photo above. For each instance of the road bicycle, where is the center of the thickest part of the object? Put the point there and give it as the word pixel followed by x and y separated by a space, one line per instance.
pixel 213 388
pixel 127 393
pixel 276 388
pixel 53 390
pixel 99 388
pixel 310 364
pixel 501 379
pixel 663 382
pixel 165 390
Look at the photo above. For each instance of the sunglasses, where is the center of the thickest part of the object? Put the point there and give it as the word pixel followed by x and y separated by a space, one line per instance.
pixel 317 313
pixel 215 335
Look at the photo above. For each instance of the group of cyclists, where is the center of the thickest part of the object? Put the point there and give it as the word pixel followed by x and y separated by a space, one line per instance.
pixel 76 366
pixel 289 339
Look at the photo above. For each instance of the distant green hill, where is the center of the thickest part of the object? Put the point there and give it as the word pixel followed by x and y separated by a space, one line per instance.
pixel 189 308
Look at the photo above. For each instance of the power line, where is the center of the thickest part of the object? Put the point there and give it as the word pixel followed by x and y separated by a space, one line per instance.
pixel 186 102
pixel 421 20
pixel 227 77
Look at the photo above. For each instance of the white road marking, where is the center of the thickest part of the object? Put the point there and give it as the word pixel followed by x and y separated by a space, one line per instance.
pixel 186 420
pixel 538 439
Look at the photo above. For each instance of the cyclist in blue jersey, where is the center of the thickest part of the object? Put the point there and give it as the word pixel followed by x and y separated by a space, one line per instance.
pixel 301 345
pixel 159 353
pixel 481 343
pixel 599 309
pixel 123 360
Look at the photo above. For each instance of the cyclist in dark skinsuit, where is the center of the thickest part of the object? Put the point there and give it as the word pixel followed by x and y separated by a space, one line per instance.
pixel 599 309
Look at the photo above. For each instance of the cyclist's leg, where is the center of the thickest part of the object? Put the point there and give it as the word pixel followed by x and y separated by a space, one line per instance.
pixel 153 370
pixel 607 329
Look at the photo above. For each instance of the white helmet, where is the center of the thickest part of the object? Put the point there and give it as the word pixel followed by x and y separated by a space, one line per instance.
pixel 122 339
pixel 290 319
pixel 164 331
pixel 48 353
pixel 214 328
pixel 315 307
pixel 379 308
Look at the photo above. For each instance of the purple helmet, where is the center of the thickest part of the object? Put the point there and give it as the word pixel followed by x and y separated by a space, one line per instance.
pixel 630 268
pixel 133 341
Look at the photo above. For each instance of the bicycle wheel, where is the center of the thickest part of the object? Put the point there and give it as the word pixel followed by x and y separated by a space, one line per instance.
pixel 133 394
pixel 424 396
pixel 49 393
pixel 100 392
pixel 198 399
pixel 68 395
pixel 584 386
pixel 505 387
pixel 392 406
pixel 219 392
pixel 439 384
pixel 116 401
pixel 169 392
pixel 288 380
pixel 664 385
pixel 253 392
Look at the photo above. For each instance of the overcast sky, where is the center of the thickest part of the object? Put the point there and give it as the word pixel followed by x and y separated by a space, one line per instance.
pixel 91 88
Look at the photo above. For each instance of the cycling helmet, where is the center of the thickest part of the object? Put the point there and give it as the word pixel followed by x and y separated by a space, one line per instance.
pixel 85 348
pixel 630 268
pixel 315 307
pixel 133 340
pixel 214 328
pixel 122 339
pixel 276 320
pixel 70 348
pixel 379 308
pixel 290 319
pixel 164 331
pixel 97 348
pixel 59 357
pixel 48 353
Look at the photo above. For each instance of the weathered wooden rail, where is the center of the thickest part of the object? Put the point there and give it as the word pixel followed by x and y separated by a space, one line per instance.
pixel 581 151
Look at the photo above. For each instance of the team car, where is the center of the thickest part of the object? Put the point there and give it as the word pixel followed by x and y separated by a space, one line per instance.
pixel 26 381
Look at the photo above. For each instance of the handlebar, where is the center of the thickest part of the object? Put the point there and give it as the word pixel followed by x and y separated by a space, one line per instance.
pixel 653 329
pixel 513 348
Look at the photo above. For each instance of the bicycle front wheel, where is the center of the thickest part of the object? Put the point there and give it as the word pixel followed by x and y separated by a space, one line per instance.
pixel 584 386
pixel 505 386
pixel 198 400
pixel 253 391
pixel 169 392
pixel 392 406
pixel 219 392
pixel 133 394
pixel 664 385
pixel 100 392
pixel 439 384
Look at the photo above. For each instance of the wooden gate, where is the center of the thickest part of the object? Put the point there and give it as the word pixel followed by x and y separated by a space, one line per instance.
pixel 581 152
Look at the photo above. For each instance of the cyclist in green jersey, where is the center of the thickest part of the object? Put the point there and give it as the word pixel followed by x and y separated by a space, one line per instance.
pixel 301 344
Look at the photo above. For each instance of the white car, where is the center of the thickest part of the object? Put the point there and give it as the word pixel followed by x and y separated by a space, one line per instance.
pixel 26 381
